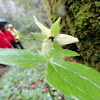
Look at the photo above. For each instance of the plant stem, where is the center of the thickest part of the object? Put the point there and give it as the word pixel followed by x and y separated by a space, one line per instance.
pixel 50 92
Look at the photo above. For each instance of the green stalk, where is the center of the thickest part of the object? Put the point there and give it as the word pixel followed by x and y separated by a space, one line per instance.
pixel 50 91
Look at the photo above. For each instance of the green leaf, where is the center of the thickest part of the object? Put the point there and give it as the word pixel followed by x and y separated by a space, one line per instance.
pixel 52 54
pixel 22 58
pixel 39 36
pixel 64 52
pixel 74 80
pixel 58 52
pixel 55 28
pixel 69 53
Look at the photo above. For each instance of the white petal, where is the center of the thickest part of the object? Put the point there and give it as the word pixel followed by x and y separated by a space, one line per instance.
pixel 45 31
pixel 65 39
pixel 46 46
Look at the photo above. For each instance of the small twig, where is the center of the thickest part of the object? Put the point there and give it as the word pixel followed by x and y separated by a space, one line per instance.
pixel 50 92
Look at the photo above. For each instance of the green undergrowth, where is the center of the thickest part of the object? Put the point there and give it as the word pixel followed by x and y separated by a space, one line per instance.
pixel 29 42
pixel 25 84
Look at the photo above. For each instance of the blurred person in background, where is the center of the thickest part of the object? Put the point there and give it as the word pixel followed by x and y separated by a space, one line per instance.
pixel 4 42
pixel 15 33
pixel 7 33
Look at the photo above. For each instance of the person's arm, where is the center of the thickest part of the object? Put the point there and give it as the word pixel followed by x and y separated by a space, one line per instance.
pixel 9 44
pixel 4 43
pixel 17 34
pixel 13 38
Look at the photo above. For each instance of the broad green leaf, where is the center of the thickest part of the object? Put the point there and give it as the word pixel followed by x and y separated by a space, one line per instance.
pixel 69 53
pixel 39 36
pixel 55 28
pixel 52 54
pixel 58 52
pixel 22 58
pixel 63 52
pixel 74 80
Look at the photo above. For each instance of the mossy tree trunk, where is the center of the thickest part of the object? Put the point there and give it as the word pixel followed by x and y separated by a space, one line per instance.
pixel 80 18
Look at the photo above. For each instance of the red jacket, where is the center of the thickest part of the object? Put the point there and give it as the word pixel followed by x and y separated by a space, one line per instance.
pixel 9 35
pixel 4 42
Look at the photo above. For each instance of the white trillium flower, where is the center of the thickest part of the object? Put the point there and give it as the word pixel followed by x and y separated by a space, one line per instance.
pixel 52 35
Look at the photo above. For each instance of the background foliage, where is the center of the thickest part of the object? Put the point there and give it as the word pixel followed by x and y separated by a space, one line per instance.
pixel 80 18
pixel 20 14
